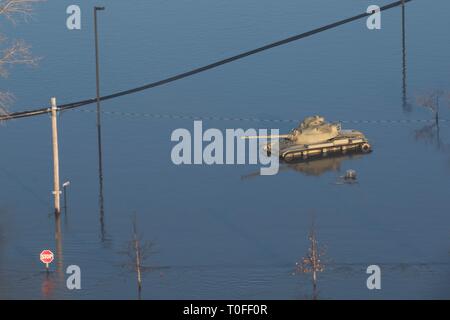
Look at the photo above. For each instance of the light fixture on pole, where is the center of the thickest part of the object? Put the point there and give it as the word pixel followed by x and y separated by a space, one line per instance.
pixel 65 185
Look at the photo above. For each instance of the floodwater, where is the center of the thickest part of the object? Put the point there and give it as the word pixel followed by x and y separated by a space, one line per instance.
pixel 224 231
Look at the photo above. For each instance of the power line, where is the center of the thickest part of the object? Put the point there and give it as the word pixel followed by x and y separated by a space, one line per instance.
pixel 216 64
pixel 24 114
pixel 253 119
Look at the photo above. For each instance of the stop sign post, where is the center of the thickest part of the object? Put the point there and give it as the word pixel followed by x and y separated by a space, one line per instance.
pixel 46 257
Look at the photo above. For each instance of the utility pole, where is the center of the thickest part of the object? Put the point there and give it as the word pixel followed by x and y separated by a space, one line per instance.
pixel 56 191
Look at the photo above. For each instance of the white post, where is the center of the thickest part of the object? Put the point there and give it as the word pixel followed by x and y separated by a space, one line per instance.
pixel 56 191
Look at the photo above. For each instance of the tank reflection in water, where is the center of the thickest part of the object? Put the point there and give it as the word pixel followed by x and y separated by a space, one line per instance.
pixel 315 166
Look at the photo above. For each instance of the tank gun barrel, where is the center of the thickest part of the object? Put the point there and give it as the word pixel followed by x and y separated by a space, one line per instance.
pixel 274 136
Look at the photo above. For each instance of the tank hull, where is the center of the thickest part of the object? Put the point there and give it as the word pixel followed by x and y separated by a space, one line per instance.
pixel 345 141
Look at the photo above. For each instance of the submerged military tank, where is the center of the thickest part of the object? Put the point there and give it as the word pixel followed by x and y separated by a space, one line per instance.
pixel 314 136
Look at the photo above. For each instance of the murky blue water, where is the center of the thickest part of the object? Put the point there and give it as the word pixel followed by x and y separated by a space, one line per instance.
pixel 222 231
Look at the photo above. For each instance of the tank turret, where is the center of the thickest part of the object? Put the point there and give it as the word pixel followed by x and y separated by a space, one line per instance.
pixel 314 130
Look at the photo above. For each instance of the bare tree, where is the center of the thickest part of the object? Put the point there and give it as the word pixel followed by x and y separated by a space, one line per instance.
pixel 312 262
pixel 6 99
pixel 14 52
pixel 431 101
pixel 13 8
pixel 138 252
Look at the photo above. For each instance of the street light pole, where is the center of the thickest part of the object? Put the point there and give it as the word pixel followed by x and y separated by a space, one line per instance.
pixel 65 185
pixel 97 77
pixel 99 131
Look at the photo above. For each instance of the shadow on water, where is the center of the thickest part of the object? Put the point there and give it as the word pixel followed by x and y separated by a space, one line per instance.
pixel 51 280
pixel 4 281
pixel 59 248
pixel 103 235
pixel 431 134
pixel 319 166
pixel 48 286
pixel 314 166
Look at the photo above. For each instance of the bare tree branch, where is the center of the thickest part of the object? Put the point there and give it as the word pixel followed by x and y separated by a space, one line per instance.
pixel 17 52
pixel 138 251
pixel 430 100
pixel 13 8
pixel 6 99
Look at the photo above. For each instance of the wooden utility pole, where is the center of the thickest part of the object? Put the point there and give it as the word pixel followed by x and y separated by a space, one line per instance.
pixel 56 191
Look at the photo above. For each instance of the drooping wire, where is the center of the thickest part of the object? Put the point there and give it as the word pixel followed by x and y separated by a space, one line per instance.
pixel 216 64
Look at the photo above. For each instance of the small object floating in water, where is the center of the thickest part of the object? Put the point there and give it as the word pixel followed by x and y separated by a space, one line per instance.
pixel 350 175
pixel 316 137
pixel 348 178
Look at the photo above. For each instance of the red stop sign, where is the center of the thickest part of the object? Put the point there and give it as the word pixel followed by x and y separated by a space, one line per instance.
pixel 46 256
